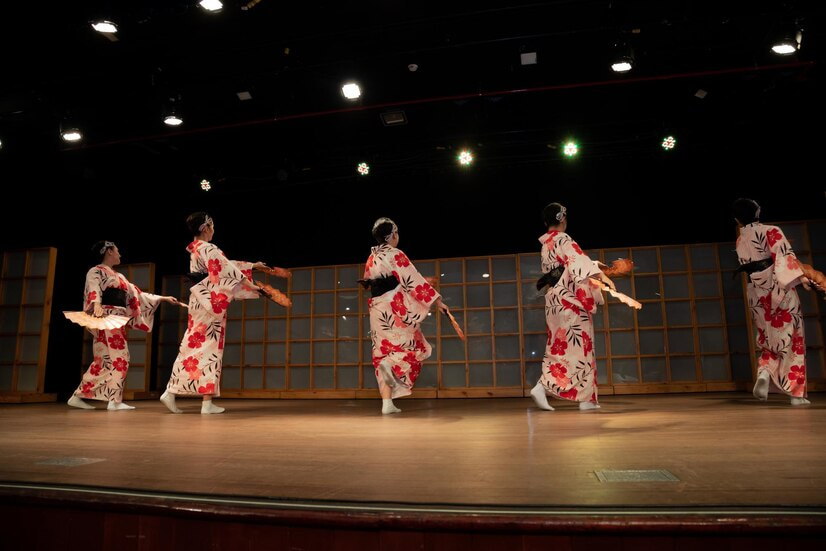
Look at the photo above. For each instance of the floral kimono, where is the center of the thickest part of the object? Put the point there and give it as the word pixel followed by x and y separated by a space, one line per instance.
pixel 197 369
pixel 569 368
pixel 399 348
pixel 775 307
pixel 106 376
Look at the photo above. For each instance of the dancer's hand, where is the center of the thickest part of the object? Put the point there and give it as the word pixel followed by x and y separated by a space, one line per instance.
pixel 98 311
pixel 607 280
pixel 260 266
pixel 805 282
pixel 442 307
pixel 170 300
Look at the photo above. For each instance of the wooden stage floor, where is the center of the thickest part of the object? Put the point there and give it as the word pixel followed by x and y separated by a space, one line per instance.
pixel 726 450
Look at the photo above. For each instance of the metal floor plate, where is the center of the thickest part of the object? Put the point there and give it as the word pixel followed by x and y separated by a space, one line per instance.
pixel 636 475
pixel 69 461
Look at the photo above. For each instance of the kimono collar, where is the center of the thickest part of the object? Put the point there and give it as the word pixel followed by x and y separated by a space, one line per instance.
pixel 549 236
pixel 194 245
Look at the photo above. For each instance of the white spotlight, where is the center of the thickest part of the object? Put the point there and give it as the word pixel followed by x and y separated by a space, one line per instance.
pixel 787 41
pixel 621 66
pixel 351 90
pixel 105 27
pixel 211 5
pixel 71 135
pixel 172 120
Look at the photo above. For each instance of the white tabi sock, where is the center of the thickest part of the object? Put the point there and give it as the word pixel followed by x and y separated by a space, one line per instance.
pixel 388 407
pixel 76 402
pixel 800 401
pixel 761 387
pixel 539 396
pixel 115 406
pixel 208 407
pixel 585 406
pixel 168 399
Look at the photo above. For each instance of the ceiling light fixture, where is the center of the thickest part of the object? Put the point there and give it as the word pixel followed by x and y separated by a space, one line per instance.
pixel 351 90
pixel 71 135
pixel 622 57
pixel 787 39
pixel 105 27
pixel 211 5
pixel 393 118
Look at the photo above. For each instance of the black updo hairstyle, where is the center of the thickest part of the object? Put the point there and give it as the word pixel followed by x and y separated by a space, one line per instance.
pixel 550 213
pixel 381 229
pixel 746 210
pixel 99 249
pixel 194 222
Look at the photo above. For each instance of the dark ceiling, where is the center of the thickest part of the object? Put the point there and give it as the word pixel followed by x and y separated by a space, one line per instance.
pixel 290 152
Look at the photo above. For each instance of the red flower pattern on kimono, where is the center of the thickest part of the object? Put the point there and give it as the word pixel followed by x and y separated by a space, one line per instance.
pixel 401 260
pixel 214 267
pixel 797 373
pixel 425 293
pixel 219 302
pixel 586 299
pixel 773 236
pixel 398 305
pixel 780 317
pixel 569 394
pixel 557 370
pixel 120 365
pixel 117 341
pixel 587 344
pixel 798 345
pixel 191 363
pixel 196 339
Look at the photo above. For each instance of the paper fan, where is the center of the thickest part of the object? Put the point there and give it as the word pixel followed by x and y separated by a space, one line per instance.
pixel 622 297
pixel 274 295
pixel 619 267
pixel 455 325
pixel 278 272
pixel 111 321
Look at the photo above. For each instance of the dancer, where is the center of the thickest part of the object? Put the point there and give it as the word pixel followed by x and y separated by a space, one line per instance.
pixel 569 370
pixel 400 300
pixel 773 272
pixel 197 369
pixel 109 292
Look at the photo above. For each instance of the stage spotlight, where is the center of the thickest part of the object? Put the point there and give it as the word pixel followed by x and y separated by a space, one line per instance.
pixel 571 149
pixel 172 119
pixel 205 185
pixel 351 90
pixel 363 169
pixel 669 143
pixel 622 57
pixel 70 132
pixel 787 39
pixel 211 5
pixel 104 27
pixel 465 158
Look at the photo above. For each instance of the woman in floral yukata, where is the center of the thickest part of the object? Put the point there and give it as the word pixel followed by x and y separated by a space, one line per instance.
pixel 569 370
pixel 197 369
pixel 773 272
pixel 109 292
pixel 401 300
